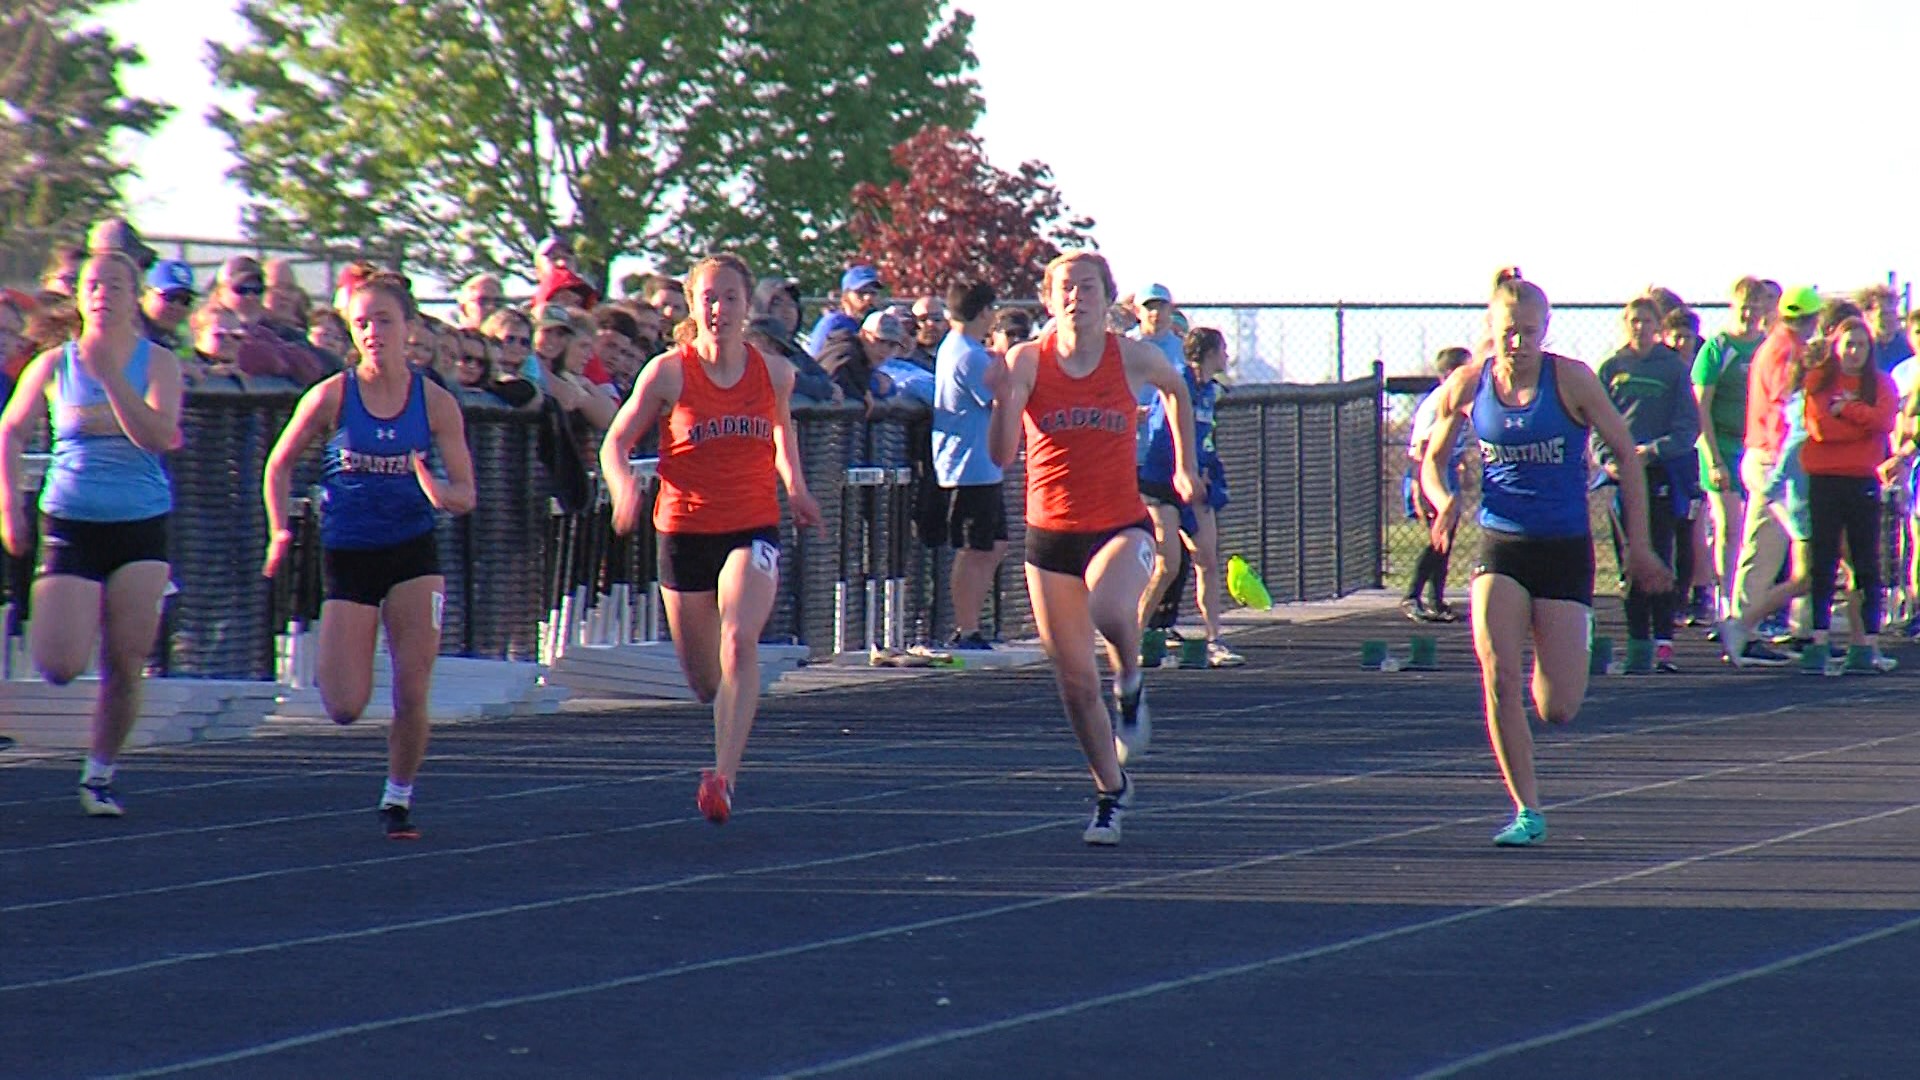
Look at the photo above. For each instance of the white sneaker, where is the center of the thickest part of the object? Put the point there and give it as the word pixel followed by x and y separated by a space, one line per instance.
pixel 1733 640
pixel 98 800
pixel 1104 830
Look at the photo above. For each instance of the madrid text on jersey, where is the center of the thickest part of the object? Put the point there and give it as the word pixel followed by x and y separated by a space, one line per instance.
pixel 724 427
pixel 1544 452
pixel 1081 418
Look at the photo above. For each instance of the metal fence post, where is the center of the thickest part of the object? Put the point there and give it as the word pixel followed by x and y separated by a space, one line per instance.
pixel 1339 341
pixel 1380 497
pixel 1260 497
pixel 1339 505
pixel 1299 501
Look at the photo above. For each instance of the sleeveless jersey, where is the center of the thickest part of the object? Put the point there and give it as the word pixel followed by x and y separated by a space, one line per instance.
pixel 96 472
pixel 1533 461
pixel 369 495
pixel 1156 462
pixel 717 470
pixel 1081 473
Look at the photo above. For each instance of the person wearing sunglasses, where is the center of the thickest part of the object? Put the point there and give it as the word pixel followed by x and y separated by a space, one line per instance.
pixel 241 287
pixel 167 302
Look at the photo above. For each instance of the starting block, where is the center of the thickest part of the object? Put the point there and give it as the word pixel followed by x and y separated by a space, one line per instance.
pixel 1422 655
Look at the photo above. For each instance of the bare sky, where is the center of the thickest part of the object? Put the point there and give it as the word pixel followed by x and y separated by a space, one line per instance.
pixel 1374 149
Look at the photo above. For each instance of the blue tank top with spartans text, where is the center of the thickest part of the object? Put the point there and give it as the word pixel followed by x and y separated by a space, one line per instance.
pixel 370 497
pixel 1533 458
pixel 96 472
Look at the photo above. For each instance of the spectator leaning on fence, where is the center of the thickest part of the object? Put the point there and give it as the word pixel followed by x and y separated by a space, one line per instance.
pixel 669 298
pixel 859 289
pixel 930 322
pixel 241 288
pixel 726 432
pixel 217 334
pixel 553 341
pixel 103 576
pixel 327 332
pixel 963 465
pixel 61 275
pixel 480 296
pixel 380 559
pixel 810 380
pixel 166 302
pixel 514 331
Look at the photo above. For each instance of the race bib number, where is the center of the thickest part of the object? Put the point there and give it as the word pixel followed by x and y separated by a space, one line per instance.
pixel 766 557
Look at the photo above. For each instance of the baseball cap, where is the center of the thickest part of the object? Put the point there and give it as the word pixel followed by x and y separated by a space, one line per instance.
pixel 1152 293
pixel 886 326
pixel 116 236
pixel 859 277
pixel 169 275
pixel 1799 302
pixel 239 268
pixel 557 317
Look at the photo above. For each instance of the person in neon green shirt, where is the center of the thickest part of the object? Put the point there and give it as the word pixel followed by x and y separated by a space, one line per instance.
pixel 1720 392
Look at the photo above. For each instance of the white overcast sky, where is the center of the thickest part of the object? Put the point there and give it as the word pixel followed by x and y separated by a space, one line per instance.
pixel 1373 149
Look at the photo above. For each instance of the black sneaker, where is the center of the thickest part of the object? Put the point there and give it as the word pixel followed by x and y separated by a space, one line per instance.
pixel 399 822
pixel 1415 609
pixel 98 800
pixel 1133 724
pixel 1760 654
pixel 1174 637
pixel 972 642
pixel 1443 612
pixel 1108 809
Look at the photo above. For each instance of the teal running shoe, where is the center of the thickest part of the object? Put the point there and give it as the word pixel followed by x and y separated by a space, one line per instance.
pixel 1528 827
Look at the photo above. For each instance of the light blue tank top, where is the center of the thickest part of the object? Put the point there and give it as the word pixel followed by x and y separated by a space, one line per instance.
pixel 1533 475
pixel 96 472
pixel 369 495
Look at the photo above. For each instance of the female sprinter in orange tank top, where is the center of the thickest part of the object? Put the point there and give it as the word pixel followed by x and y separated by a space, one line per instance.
pixel 1089 539
pixel 724 431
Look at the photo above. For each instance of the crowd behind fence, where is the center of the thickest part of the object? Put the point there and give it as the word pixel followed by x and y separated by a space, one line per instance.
pixel 525 581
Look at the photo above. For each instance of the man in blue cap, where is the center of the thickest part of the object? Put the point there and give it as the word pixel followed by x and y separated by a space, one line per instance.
pixel 166 303
pixel 859 288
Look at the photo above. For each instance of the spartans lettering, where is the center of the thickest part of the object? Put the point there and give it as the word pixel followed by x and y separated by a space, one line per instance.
pixel 1544 452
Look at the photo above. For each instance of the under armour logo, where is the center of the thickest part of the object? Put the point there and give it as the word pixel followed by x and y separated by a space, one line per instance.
pixel 385 433
pixel 1512 422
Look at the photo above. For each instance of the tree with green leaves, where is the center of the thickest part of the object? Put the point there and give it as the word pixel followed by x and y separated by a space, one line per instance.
pixel 957 217
pixel 464 131
pixel 61 106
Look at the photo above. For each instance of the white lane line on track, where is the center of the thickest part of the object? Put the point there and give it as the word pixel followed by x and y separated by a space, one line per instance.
pixel 906 1046
pixel 1667 1001
pixel 324 1035
pixel 549 789
pixel 817 807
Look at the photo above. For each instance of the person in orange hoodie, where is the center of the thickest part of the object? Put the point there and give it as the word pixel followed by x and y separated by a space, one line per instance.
pixel 1850 407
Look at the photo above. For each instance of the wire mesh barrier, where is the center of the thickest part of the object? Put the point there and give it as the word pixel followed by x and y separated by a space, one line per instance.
pixel 526 580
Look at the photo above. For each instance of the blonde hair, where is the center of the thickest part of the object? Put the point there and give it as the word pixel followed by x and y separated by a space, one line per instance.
pixel 1061 263
pixel 689 327
pixel 1515 291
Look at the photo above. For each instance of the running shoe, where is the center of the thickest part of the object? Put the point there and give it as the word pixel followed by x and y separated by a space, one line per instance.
pixel 1133 724
pixel 1869 661
pixel 1443 612
pixel 715 798
pixel 1108 809
pixel 1416 610
pixel 98 800
pixel 1218 655
pixel 1527 827
pixel 1663 659
pixel 1760 654
pixel 1732 638
pixel 973 642
pixel 399 822
pixel 1174 637
pixel 1773 628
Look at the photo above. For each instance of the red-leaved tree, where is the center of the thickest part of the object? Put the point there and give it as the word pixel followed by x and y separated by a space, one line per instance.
pixel 956 216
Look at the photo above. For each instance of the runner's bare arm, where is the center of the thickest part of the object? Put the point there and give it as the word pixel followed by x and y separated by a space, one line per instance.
pixel 1010 402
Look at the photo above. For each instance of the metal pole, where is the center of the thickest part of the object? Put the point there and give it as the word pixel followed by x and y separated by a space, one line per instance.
pixel 1299 502
pixel 1260 496
pixel 1379 497
pixel 1339 509
pixel 1339 341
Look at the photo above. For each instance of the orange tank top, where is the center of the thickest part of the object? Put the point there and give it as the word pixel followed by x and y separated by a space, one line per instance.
pixel 1080 445
pixel 716 452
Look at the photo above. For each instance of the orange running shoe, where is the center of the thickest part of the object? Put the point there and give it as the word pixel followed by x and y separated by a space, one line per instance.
pixel 715 799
